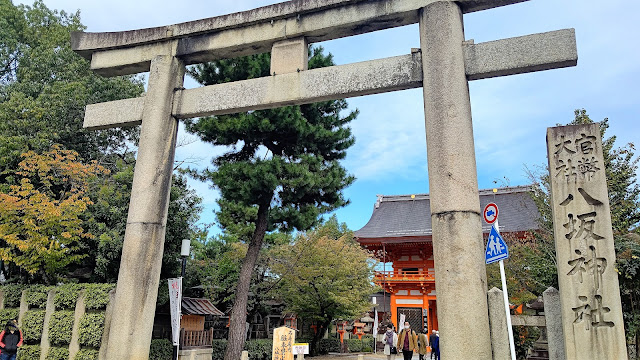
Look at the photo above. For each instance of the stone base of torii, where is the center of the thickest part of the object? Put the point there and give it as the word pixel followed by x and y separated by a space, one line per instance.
pixel 443 66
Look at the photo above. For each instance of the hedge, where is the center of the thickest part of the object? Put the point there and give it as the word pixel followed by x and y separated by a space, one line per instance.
pixel 6 315
pixel 29 352
pixel 58 353
pixel 60 327
pixel 91 328
pixel 32 326
pixel 329 345
pixel 96 296
pixel 163 293
pixel 36 295
pixel 12 295
pixel 161 349
pixel 219 347
pixel 87 354
pixel 67 295
pixel 260 349
pixel 357 345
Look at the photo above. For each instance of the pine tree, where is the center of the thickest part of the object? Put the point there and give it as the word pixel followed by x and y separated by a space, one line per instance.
pixel 280 169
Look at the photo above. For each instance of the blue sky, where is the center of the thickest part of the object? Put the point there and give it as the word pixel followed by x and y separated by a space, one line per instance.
pixel 510 114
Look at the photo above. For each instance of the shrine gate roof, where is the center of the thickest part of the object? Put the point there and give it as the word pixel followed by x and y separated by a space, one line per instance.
pixel 397 216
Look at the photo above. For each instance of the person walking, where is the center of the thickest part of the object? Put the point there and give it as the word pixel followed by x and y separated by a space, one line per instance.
pixel 423 343
pixel 407 341
pixel 436 345
pixel 390 340
pixel 431 341
pixel 10 341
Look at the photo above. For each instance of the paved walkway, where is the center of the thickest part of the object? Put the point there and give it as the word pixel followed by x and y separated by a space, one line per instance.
pixel 367 356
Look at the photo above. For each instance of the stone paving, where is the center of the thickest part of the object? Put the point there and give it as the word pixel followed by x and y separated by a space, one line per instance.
pixel 367 356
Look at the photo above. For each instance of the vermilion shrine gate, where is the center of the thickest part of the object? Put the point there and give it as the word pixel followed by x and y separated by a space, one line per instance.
pixel 444 64
pixel 400 232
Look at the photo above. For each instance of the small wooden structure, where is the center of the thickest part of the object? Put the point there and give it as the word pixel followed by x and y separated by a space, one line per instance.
pixel 291 321
pixel 192 331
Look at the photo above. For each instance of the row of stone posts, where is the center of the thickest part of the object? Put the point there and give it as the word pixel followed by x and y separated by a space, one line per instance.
pixel 79 311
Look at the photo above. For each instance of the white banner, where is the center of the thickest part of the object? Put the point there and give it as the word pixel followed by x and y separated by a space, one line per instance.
pixel 401 322
pixel 175 305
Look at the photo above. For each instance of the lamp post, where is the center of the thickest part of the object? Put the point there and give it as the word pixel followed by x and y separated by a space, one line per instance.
pixel 184 253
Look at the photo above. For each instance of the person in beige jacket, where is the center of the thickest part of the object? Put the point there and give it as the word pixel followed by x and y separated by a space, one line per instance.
pixel 407 341
pixel 423 343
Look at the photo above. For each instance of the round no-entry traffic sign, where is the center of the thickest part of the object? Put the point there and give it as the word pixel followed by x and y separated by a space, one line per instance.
pixel 490 213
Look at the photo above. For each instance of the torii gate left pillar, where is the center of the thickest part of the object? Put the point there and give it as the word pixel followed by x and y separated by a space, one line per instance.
pixel 147 219
pixel 443 66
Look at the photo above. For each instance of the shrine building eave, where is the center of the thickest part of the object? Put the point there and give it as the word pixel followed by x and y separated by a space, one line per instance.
pixel 407 218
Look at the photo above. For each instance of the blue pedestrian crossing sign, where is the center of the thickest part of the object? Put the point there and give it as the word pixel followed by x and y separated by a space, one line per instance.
pixel 496 247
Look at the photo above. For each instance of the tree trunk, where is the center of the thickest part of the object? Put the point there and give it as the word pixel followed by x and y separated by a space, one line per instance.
pixel 315 342
pixel 237 325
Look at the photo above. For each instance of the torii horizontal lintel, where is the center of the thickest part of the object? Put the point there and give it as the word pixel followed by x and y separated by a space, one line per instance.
pixel 253 31
pixel 555 49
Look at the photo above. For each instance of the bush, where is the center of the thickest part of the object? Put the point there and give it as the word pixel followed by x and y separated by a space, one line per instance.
pixel 163 293
pixel 58 353
pixel 87 354
pixel 60 327
pixel 524 337
pixel 329 345
pixel 91 328
pixel 96 296
pixel 36 295
pixel 357 345
pixel 32 326
pixel 219 347
pixel 67 296
pixel 161 349
pixel 12 295
pixel 259 349
pixel 29 352
pixel 8 314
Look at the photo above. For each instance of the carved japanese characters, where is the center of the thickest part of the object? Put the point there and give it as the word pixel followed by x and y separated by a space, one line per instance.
pixel 589 291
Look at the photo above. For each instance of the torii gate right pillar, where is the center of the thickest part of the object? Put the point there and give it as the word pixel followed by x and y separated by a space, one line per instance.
pixel 461 283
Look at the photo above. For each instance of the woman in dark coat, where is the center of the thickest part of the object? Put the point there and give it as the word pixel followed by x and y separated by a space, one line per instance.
pixel 10 341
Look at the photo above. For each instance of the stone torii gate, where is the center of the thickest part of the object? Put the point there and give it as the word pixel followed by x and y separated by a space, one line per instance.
pixel 442 66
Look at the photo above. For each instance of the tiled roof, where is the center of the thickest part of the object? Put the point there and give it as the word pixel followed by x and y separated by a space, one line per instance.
pixel 404 216
pixel 194 306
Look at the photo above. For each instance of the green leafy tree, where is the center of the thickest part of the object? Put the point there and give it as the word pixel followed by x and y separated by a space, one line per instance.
pixel 324 275
pixel 44 88
pixel 628 268
pixel 40 219
pixel 280 169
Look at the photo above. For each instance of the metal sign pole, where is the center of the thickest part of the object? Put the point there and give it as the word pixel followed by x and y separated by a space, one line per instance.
pixel 490 214
pixel 506 309
pixel 506 304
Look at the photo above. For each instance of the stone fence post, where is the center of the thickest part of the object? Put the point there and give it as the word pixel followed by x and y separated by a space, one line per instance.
pixel 1 299
pixel 24 307
pixel 553 316
pixel 44 341
pixel 74 345
pixel 107 326
pixel 498 325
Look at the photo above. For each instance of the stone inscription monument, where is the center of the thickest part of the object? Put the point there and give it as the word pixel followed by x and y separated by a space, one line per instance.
pixel 442 66
pixel 589 291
